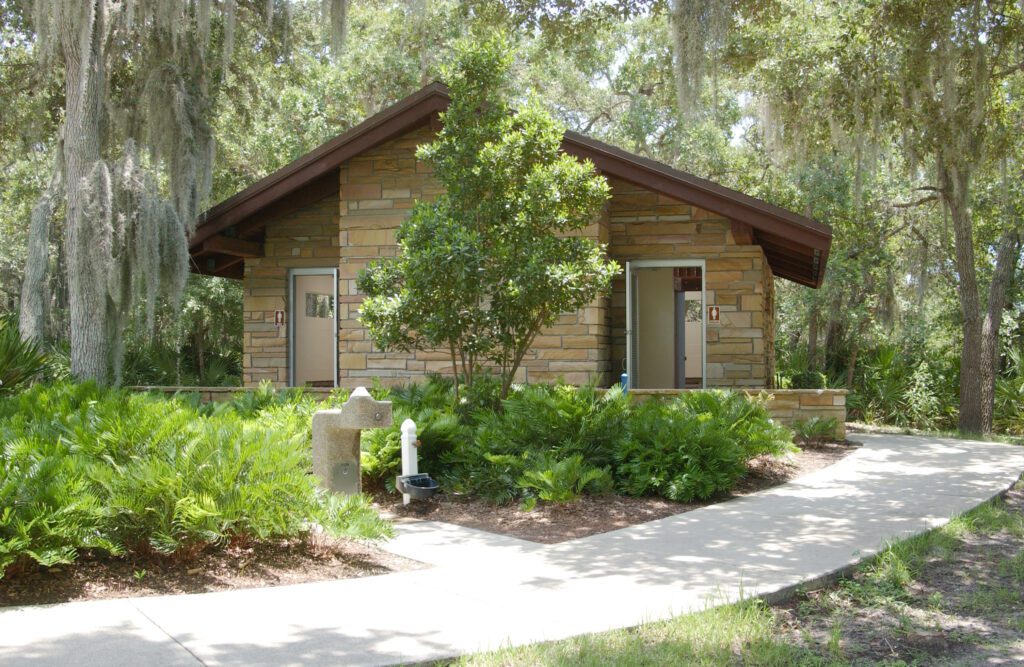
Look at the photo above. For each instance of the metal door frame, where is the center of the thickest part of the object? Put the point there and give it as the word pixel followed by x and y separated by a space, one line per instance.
pixel 630 307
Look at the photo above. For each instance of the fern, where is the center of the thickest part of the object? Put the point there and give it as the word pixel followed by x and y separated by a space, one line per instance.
pixel 20 360
pixel 564 481
pixel 105 470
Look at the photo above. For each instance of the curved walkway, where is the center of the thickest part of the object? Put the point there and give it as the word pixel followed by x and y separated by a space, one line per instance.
pixel 485 591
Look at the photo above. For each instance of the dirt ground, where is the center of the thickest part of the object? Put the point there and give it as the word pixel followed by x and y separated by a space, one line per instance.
pixel 965 607
pixel 216 570
pixel 553 523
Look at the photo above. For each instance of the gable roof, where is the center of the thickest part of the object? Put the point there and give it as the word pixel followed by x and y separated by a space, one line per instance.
pixel 796 246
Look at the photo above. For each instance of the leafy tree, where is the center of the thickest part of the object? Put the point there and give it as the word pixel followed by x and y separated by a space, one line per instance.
pixel 934 81
pixel 134 159
pixel 497 257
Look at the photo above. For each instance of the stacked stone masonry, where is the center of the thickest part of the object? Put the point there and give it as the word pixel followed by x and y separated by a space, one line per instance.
pixel 646 225
pixel 786 405
pixel 307 238
pixel 377 191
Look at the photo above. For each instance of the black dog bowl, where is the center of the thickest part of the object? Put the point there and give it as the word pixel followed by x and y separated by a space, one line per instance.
pixel 419 487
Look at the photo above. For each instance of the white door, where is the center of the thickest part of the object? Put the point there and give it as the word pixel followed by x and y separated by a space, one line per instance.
pixel 313 343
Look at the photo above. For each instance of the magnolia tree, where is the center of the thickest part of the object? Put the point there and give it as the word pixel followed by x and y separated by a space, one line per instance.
pixel 492 261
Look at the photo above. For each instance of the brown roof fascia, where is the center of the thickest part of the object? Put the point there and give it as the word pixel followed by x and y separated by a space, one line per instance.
pixel 407 114
pixel 790 234
pixel 698 191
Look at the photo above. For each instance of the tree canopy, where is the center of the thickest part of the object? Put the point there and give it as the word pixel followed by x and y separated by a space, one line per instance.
pixel 505 230
pixel 894 121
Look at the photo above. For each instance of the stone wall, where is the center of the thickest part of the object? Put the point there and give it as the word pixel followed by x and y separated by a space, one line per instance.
pixel 646 225
pixel 378 190
pixel 786 405
pixel 307 238
pixel 221 394
pixel 769 325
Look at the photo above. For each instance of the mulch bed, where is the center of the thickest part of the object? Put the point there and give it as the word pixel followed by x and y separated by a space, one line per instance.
pixel 259 565
pixel 324 559
pixel 590 515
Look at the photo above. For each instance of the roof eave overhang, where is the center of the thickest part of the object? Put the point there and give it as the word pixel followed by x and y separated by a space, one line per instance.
pixel 412 112
pixel 791 235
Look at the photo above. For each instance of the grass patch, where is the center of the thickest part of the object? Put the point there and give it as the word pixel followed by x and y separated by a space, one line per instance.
pixel 719 636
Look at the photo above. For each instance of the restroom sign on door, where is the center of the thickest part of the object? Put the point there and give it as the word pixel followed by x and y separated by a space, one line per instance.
pixel 279 318
pixel 713 314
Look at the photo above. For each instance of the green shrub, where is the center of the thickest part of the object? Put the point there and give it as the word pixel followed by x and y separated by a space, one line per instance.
pixel 808 380
pixel 815 431
pixel 472 470
pixel 892 386
pixel 437 430
pixel 87 468
pixel 1009 395
pixel 20 361
pixel 562 420
pixel 565 480
pixel 696 445
pixel 546 439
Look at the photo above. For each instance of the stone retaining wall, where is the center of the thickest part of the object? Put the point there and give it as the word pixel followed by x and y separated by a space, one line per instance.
pixel 786 405
pixel 221 394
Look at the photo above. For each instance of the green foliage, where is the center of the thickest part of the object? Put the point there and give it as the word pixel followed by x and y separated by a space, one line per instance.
pixel 562 420
pixel 808 380
pixel 438 431
pixel 502 229
pixel 815 430
pixel 696 445
pixel 892 387
pixel 119 472
pixel 557 442
pixel 472 470
pixel 1009 395
pixel 20 360
pixel 565 480
pixel 199 344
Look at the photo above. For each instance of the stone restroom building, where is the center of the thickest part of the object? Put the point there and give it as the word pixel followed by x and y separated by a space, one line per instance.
pixel 694 307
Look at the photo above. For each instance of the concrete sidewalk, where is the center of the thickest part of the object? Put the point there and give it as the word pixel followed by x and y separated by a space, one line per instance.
pixel 486 591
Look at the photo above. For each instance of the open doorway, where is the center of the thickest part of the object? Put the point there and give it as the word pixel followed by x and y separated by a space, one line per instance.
pixel 313 330
pixel 665 338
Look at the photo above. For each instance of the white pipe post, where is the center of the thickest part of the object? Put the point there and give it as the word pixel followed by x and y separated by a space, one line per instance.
pixel 410 464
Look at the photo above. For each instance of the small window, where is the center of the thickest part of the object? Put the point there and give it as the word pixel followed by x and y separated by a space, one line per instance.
pixel 319 305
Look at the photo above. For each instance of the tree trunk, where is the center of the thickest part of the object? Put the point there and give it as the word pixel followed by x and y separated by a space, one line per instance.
pixel 1002 280
pixel 812 338
pixel 81 39
pixel 32 317
pixel 834 332
pixel 975 359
